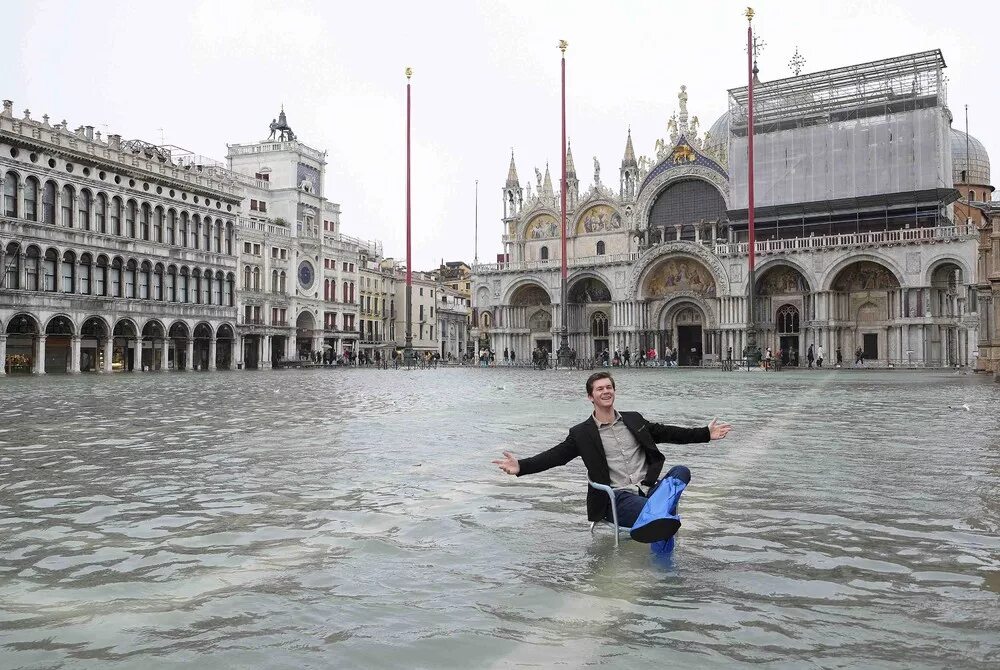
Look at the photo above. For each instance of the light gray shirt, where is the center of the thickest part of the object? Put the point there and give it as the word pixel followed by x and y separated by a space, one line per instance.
pixel 626 460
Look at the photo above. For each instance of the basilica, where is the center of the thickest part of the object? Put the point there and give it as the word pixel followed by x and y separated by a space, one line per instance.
pixel 862 244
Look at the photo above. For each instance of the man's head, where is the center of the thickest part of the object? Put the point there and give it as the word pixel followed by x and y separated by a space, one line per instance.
pixel 601 390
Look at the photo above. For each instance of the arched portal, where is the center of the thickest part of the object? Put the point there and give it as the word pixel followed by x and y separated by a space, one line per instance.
pixel 782 297
pixel 22 348
pixel 202 346
pixel 586 297
pixel 305 325
pixel 124 349
pixel 154 336
pixel 865 295
pixel 225 342
pixel 94 336
pixel 179 336
pixel 58 348
pixel 683 325
pixel 787 322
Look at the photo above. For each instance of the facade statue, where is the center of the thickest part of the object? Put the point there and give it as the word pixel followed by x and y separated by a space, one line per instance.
pixel 597 171
pixel 538 178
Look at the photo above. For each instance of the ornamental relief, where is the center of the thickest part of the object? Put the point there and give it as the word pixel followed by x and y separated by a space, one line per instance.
pixel 782 280
pixel 680 274
pixel 695 252
pixel 865 276
pixel 599 218
pixel 541 227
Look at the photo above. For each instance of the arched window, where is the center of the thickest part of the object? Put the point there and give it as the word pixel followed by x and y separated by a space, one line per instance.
pixel 144 272
pixel 207 232
pixel 31 199
pixel 171 227
pixel 32 259
pixel 206 287
pixel 217 287
pixel 218 237
pixel 195 232
pixel 83 213
pixel 182 232
pixel 171 290
pixel 599 324
pixel 66 205
pixel 100 213
pixel 256 279
pixel 69 272
pixel 49 202
pixel 787 320
pixel 229 238
pixel 246 278
pixel 12 266
pixel 158 282
pixel 600 248
pixel 274 281
pixel 281 282
pixel 972 195
pixel 101 276
pixel 49 270
pixel 130 213
pixel 194 293
pixel 182 285
pixel 131 270
pixel 544 254
pixel 116 215
pixel 116 278
pixel 231 290
pixel 86 270
pixel 10 194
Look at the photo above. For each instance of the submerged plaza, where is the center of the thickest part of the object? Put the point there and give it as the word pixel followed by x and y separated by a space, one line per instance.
pixel 239 430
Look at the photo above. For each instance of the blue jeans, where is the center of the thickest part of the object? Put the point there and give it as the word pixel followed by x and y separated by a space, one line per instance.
pixel 629 503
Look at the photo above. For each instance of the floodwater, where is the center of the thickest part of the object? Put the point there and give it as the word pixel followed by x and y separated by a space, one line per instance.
pixel 352 519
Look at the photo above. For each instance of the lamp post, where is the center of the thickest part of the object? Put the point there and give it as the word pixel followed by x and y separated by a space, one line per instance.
pixel 752 350
pixel 564 354
pixel 408 346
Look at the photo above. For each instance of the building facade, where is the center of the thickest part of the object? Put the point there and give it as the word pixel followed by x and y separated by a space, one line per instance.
pixel 116 255
pixel 858 243
pixel 300 292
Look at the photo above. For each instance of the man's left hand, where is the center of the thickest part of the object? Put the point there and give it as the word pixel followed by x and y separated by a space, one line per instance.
pixel 717 430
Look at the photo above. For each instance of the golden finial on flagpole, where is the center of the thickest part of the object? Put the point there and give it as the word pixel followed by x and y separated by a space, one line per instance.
pixel 749 14
pixel 562 46
pixel 409 72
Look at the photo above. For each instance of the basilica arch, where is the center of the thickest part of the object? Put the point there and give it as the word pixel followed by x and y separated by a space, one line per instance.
pixel 588 307
pixel 784 297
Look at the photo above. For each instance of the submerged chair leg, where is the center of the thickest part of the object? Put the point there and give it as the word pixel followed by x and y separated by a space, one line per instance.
pixel 614 508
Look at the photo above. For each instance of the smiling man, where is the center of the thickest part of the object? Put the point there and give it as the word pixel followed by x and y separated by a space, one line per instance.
pixel 619 449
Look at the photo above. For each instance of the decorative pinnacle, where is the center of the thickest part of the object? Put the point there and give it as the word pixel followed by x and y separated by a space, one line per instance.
pixel 797 62
pixel 409 72
pixel 562 46
pixel 749 14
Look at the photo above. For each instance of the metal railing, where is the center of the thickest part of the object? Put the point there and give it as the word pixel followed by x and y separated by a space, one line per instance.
pixel 871 238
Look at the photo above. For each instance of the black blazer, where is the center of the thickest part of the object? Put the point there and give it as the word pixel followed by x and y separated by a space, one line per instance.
pixel 584 440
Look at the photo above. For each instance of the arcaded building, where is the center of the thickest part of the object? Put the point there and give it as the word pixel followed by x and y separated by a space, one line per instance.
pixel 859 242
pixel 116 255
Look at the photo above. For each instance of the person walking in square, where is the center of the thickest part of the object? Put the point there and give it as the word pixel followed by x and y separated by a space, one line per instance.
pixel 819 356
pixel 810 356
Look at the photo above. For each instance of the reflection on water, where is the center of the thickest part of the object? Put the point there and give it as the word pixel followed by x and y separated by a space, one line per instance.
pixel 342 518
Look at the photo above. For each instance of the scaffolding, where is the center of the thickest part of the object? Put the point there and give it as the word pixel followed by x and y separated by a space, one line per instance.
pixel 903 83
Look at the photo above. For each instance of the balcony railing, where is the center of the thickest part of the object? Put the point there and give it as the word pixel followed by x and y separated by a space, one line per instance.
pixel 555 263
pixel 872 238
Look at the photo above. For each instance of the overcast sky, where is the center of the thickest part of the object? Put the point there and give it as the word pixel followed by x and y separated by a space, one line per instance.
pixel 486 80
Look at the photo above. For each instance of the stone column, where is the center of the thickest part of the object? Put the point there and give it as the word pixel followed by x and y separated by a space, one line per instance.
pixel 3 352
pixel 189 363
pixel 108 353
pixel 137 360
pixel 236 360
pixel 165 353
pixel 74 356
pixel 39 368
pixel 211 354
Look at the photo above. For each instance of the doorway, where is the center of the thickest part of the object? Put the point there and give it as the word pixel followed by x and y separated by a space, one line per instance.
pixel 870 342
pixel 789 345
pixel 689 345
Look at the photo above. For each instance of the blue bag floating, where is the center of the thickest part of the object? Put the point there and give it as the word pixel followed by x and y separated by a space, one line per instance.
pixel 658 520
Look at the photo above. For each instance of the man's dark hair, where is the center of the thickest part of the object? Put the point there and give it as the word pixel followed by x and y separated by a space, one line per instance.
pixel 596 377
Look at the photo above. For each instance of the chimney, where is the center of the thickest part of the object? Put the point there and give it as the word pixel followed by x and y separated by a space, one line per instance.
pixel 90 132
pixel 115 142
pixel 8 107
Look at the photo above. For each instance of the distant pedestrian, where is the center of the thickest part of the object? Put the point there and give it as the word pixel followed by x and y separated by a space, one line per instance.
pixel 859 357
pixel 840 357
pixel 628 358
pixel 506 356
pixel 810 356
pixel 819 356
pixel 513 357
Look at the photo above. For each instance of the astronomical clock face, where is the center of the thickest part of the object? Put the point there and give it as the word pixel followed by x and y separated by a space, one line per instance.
pixel 306 274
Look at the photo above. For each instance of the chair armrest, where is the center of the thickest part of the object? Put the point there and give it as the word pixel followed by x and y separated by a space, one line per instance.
pixel 611 495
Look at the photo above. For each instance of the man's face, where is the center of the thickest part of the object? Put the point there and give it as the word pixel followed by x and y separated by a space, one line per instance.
pixel 603 394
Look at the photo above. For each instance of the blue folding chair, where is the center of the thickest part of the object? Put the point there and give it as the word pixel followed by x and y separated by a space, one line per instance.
pixel 614 509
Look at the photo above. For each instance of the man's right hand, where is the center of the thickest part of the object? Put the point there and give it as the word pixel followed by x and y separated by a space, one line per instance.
pixel 508 464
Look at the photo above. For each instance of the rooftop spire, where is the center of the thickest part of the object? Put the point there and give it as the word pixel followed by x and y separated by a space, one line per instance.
pixel 547 183
pixel 512 181
pixel 570 168
pixel 629 159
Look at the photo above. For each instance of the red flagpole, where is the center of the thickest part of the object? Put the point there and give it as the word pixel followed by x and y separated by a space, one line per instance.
pixel 408 350
pixel 750 212
pixel 562 187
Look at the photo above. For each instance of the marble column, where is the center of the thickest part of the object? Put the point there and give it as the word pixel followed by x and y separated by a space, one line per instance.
pixel 74 355
pixel 108 353
pixel 189 362
pixel 211 353
pixel 165 353
pixel 39 367
pixel 3 352
pixel 137 361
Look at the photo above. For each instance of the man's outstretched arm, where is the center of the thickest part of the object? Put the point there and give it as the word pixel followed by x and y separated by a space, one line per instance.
pixel 561 454
pixel 715 430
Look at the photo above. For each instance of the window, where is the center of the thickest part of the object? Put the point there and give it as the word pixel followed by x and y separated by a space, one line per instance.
pixel 83 213
pixel 263 176
pixel 421 290
pixel 101 277
pixel 49 270
pixel 31 262
pixel 171 284
pixel 253 205
pixel 182 231
pixel 544 254
pixel 68 268
pixel 263 206
pixel 274 252
pixel 246 278
pixel 345 266
pixel 246 247
pixel 421 312
pixel 599 325
pixel 281 282
pixel 10 194
pixel 158 225
pixel 116 216
pixel 256 250
pixel 31 199
pixel 49 203
pixel 600 248
pixel 144 281
pixel 100 213
pixel 130 212
pixel 274 281
pixel 85 273
pixel 207 234
pixel 284 254
pixel 144 222
pixel 352 268
pixel 432 312
pixel 130 279
pixel 171 227
pixel 256 279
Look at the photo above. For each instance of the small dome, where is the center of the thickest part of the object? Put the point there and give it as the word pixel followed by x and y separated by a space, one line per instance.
pixel 978 164
pixel 719 132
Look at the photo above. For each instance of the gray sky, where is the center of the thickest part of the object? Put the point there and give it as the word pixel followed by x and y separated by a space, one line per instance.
pixel 486 79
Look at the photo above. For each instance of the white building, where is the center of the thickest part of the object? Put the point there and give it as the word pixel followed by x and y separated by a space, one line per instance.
pixel 116 256
pixel 299 294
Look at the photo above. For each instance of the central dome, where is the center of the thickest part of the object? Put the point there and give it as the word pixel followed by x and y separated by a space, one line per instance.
pixel 975 164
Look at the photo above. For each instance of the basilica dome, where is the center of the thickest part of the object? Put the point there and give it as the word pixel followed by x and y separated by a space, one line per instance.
pixel 977 163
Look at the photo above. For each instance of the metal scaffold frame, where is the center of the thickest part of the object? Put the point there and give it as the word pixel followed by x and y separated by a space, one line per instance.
pixel 877 87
